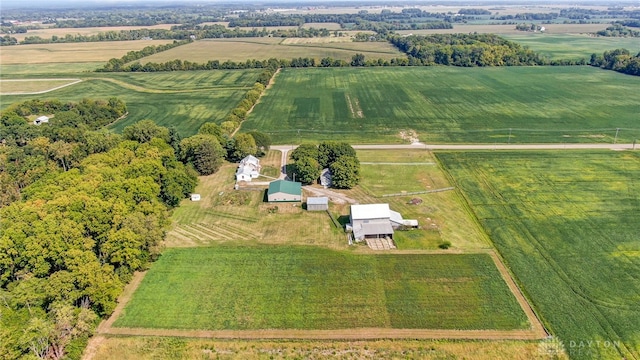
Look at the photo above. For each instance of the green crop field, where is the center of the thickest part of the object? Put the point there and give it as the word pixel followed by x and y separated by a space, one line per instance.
pixel 573 46
pixel 182 99
pixel 242 49
pixel 450 105
pixel 281 287
pixel 567 224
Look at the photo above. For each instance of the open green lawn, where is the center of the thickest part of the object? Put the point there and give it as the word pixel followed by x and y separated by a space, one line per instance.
pixel 282 287
pixel 185 99
pixel 567 224
pixel 573 46
pixel 450 105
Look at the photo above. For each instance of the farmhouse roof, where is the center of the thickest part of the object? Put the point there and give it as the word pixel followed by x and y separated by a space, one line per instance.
pixel 43 118
pixel 250 159
pixel 287 187
pixel 365 229
pixel 318 200
pixel 370 211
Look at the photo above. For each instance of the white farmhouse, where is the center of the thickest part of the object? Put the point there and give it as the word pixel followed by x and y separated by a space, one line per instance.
pixel 248 169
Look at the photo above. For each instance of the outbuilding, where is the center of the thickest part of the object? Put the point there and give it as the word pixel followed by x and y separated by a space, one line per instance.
pixel 41 120
pixel 284 191
pixel 318 203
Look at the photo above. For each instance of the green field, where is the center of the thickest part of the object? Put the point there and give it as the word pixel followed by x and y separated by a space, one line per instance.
pixel 450 105
pixel 573 46
pixel 185 99
pixel 281 287
pixel 567 225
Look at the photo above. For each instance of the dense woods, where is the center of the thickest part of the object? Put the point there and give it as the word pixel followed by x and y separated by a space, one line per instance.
pixel 465 50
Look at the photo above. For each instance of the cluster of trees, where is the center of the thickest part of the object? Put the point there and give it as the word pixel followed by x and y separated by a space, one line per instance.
pixel 339 157
pixel 8 40
pixel 631 23
pixel 618 30
pixel 73 237
pixel 588 13
pixel 527 16
pixel 474 12
pixel 619 60
pixel 465 50
pixel 528 27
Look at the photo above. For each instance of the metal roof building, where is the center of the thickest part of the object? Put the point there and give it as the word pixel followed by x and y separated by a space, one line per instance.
pixel 284 191
pixel 317 203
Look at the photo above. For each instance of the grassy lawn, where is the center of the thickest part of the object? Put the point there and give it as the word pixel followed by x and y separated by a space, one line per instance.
pixel 283 287
pixel 450 105
pixel 242 49
pixel 573 46
pixel 182 99
pixel 567 225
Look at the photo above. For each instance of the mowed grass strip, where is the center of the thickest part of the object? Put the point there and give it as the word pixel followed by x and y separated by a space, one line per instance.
pixel 566 224
pixel 240 50
pixel 450 105
pixel 185 99
pixel 283 287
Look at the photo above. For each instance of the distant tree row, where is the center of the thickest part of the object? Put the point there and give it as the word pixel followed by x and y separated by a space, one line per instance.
pixel 631 23
pixel 528 27
pixel 527 16
pixel 339 157
pixel 465 50
pixel 618 30
pixel 619 60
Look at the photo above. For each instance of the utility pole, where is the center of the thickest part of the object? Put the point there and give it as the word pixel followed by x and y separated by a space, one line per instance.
pixel 509 141
pixel 616 137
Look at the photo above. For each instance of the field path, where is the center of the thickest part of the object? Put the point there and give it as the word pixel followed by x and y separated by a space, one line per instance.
pixel 72 82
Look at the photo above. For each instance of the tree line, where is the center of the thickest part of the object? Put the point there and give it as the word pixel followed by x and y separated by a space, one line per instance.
pixel 618 30
pixel 465 50
pixel 619 60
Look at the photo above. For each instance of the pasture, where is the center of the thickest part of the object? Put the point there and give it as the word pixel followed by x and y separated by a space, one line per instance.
pixel 241 49
pixel 185 100
pixel 284 287
pixel 450 105
pixel 566 224
pixel 573 46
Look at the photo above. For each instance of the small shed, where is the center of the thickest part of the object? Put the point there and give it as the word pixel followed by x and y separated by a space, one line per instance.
pixel 41 120
pixel 195 197
pixel 318 203
pixel 284 191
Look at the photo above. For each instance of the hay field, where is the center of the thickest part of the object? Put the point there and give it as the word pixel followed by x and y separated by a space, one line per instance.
pixel 72 52
pixel 32 85
pixel 573 46
pixel 61 32
pixel 240 50
pixel 566 224
pixel 509 29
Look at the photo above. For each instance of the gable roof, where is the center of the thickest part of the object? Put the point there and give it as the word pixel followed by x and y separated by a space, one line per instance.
pixel 250 159
pixel 370 211
pixel 287 187
pixel 318 200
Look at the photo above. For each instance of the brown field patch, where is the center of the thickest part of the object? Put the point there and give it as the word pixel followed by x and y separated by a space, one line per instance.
pixel 265 48
pixel 72 52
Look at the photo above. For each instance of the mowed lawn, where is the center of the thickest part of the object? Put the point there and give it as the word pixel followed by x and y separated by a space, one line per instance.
pixel 241 49
pixel 185 99
pixel 450 105
pixel 567 224
pixel 306 287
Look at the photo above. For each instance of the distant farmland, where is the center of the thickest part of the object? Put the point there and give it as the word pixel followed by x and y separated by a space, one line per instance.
pixel 566 224
pixel 241 49
pixel 185 99
pixel 573 46
pixel 450 105
pixel 269 287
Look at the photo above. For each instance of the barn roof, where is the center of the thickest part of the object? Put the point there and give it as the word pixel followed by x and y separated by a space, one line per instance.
pixel 370 211
pixel 318 200
pixel 287 187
